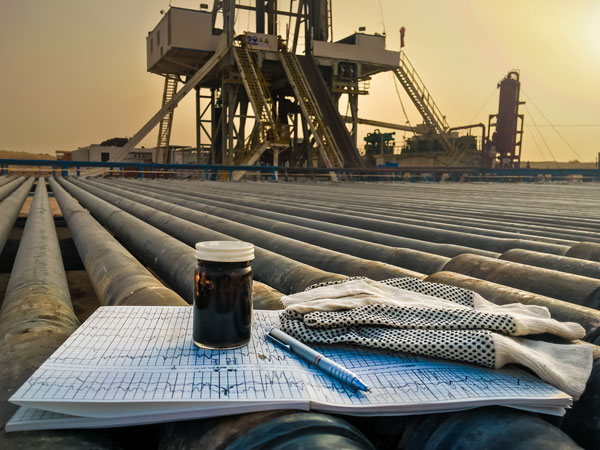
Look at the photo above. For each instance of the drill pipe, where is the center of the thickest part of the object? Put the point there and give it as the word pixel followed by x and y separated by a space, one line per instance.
pixel 306 253
pixel 493 244
pixel 5 179
pixel 373 210
pixel 563 286
pixel 555 262
pixel 172 260
pixel 290 214
pixel 36 317
pixel 10 208
pixel 585 250
pixel 10 187
pixel 284 274
pixel 406 258
pixel 118 278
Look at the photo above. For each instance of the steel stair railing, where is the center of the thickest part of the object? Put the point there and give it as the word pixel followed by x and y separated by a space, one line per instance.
pixel 164 129
pixel 421 98
pixel 321 133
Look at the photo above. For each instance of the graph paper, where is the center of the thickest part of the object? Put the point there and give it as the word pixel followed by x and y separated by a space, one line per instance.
pixel 136 361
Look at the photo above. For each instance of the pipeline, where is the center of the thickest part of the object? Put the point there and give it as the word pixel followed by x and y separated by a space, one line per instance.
pixel 286 214
pixel 283 274
pixel 10 187
pixel 306 253
pixel 576 266
pixel 493 244
pixel 563 286
pixel 36 318
pixel 117 277
pixel 406 258
pixel 588 318
pixel 10 208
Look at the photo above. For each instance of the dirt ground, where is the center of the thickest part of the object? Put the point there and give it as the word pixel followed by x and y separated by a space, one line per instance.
pixel 56 212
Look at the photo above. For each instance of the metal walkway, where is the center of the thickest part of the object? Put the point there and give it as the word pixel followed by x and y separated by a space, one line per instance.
pixel 421 98
pixel 164 129
pixel 308 104
pixel 329 113
pixel 267 130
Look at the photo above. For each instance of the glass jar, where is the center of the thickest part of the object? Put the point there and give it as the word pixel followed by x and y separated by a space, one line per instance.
pixel 223 294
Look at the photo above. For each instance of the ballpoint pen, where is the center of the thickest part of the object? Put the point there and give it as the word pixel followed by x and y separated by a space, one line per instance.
pixel 316 359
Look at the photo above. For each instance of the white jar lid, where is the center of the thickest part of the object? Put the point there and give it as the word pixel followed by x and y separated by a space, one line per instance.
pixel 224 251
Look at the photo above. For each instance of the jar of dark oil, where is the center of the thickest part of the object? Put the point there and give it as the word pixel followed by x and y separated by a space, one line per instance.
pixel 222 311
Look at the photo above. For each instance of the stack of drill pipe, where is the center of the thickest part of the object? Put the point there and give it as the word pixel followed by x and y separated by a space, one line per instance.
pixel 271 201
pixel 10 208
pixel 577 289
pixel 406 258
pixel 290 214
pixel 117 277
pixel 363 209
pixel 172 260
pixel 576 266
pixel 499 294
pixel 407 212
pixel 36 318
pixel 427 233
pixel 414 201
pixel 10 187
pixel 300 251
pixel 283 274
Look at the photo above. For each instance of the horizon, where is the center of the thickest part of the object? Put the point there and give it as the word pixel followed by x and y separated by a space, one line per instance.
pixel 87 82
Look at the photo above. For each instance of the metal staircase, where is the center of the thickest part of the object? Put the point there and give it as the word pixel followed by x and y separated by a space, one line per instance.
pixel 310 109
pixel 420 96
pixel 164 129
pixel 268 131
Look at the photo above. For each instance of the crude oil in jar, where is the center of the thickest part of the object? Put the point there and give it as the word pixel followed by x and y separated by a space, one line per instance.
pixel 222 311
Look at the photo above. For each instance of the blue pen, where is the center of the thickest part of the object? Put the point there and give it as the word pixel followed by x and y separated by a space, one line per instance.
pixel 316 359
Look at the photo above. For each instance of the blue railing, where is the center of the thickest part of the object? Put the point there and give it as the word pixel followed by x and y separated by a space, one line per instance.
pixel 222 172
pixel 143 169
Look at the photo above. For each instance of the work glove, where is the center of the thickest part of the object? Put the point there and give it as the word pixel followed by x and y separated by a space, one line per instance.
pixel 410 315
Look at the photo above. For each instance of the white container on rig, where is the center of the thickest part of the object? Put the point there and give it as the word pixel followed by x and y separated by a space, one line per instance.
pixel 182 39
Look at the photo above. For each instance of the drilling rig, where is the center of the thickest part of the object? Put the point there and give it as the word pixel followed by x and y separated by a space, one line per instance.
pixel 263 98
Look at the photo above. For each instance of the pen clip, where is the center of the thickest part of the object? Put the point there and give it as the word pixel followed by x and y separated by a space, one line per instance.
pixel 278 342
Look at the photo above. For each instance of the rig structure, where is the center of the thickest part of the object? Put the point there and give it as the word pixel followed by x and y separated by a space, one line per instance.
pixel 293 85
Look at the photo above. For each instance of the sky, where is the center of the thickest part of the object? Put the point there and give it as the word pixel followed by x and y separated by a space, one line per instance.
pixel 73 72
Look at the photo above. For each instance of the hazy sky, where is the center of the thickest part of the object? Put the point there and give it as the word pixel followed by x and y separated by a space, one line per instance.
pixel 74 71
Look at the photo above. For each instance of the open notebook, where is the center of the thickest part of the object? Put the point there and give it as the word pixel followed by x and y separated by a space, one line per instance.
pixel 130 365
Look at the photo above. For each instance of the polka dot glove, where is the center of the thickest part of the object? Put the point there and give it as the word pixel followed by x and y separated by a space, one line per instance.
pixel 410 315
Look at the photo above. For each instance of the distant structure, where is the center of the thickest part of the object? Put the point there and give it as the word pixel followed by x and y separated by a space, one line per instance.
pixel 293 85
pixel 505 129
pixel 106 151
